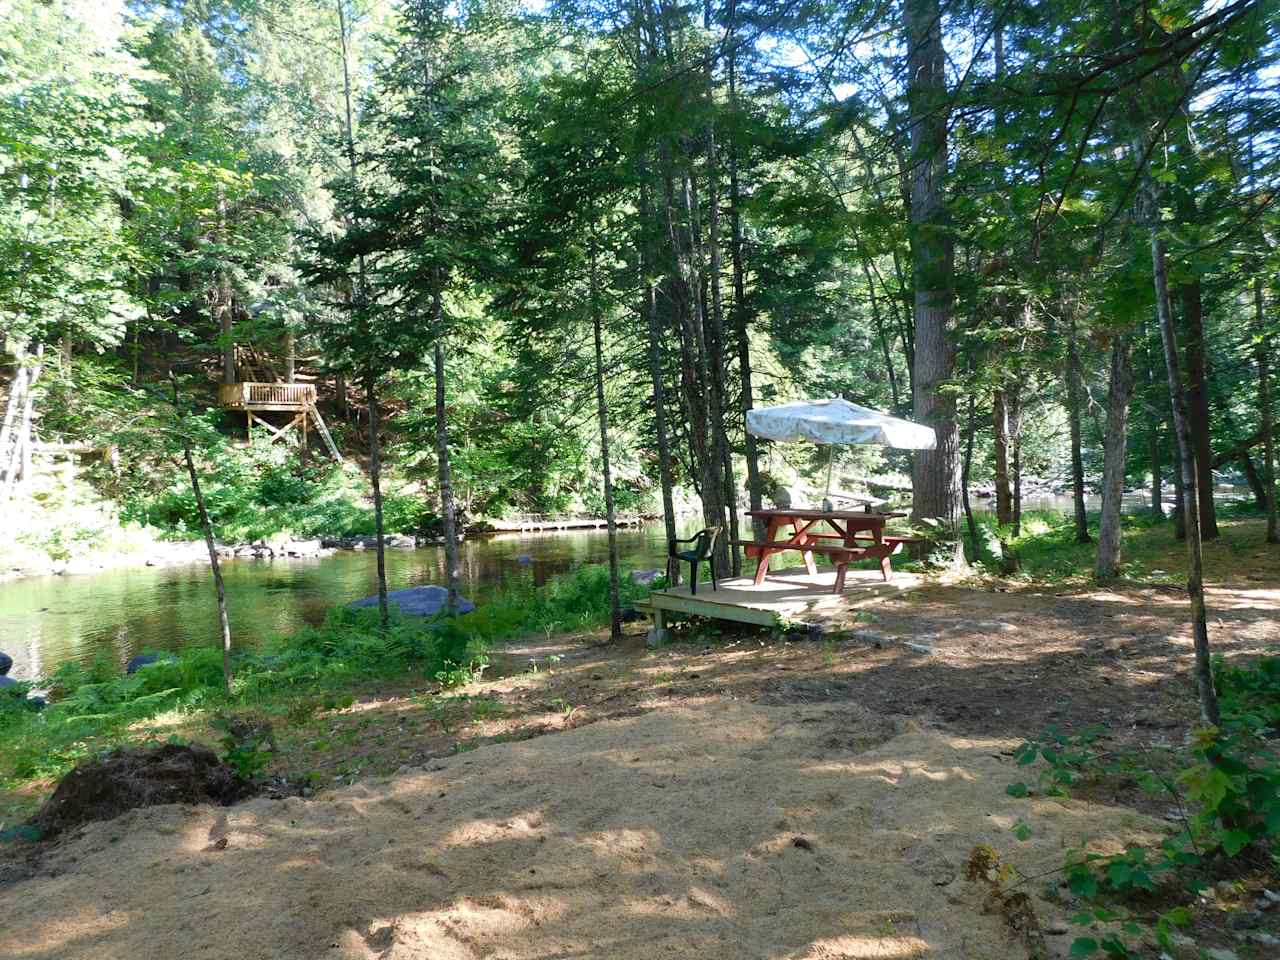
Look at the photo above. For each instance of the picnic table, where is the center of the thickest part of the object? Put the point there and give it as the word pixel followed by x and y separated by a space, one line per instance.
pixel 842 535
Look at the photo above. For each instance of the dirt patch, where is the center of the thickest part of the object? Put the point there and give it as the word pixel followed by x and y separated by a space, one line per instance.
pixel 721 830
pixel 122 780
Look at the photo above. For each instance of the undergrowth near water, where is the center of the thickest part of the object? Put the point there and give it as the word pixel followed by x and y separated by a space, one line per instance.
pixel 95 707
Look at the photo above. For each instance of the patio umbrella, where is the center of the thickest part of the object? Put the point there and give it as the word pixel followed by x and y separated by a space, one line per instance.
pixel 837 421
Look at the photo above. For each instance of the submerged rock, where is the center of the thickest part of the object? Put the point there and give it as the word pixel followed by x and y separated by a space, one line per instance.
pixel 425 601
pixel 145 659
pixel 6 664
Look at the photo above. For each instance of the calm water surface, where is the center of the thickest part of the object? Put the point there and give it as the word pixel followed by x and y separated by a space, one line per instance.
pixel 45 621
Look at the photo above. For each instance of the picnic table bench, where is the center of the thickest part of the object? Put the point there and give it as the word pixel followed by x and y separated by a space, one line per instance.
pixel 850 535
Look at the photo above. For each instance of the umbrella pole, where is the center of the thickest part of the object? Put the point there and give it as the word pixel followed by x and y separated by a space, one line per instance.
pixel 831 459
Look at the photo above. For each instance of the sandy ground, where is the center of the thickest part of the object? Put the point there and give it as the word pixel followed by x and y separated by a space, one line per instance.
pixel 672 834
pixel 661 816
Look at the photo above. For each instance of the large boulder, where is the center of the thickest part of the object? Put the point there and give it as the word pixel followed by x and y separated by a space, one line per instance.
pixel 6 664
pixel 425 601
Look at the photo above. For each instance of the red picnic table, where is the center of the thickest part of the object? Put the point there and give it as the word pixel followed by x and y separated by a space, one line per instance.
pixel 843 535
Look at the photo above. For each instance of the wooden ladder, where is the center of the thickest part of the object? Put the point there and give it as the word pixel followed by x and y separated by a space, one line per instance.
pixel 324 432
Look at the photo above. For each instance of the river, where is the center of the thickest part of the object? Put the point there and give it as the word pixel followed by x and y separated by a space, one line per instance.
pixel 46 621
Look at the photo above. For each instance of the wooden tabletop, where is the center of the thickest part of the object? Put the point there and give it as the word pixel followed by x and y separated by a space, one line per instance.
pixel 806 514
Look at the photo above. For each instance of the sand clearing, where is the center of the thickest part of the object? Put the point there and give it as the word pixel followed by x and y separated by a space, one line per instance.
pixel 667 835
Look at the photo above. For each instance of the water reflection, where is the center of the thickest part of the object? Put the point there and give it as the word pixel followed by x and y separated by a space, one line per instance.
pixel 45 621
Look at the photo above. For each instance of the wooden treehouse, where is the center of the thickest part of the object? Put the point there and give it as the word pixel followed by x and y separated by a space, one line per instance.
pixel 296 399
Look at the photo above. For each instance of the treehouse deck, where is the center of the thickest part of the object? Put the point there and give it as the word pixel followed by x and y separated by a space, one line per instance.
pixel 299 399
pixel 788 597
pixel 278 397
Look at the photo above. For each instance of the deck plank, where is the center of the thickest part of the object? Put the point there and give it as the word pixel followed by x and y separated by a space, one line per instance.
pixel 792 595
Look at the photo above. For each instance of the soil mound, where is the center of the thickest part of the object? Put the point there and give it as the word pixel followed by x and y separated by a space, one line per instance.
pixel 122 780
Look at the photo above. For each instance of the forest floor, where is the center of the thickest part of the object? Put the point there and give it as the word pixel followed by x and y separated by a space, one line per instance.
pixel 731 794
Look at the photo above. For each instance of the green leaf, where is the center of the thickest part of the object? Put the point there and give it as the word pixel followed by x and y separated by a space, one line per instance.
pixel 1234 840
pixel 1016 789
pixel 1022 830
pixel 1083 947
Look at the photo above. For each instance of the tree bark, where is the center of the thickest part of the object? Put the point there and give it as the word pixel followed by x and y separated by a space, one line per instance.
pixel 716 356
pixel 971 524
pixel 1157 484
pixel 739 313
pixel 1187 468
pixel 1013 403
pixel 1115 444
pixel 1198 405
pixel 1262 341
pixel 1075 400
pixel 224 622
pixel 602 412
pixel 935 473
pixel 1254 479
pixel 1000 429
pixel 375 482
pixel 448 509
pixel 654 329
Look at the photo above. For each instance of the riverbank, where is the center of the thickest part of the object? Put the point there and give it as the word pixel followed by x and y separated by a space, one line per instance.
pixel 858 734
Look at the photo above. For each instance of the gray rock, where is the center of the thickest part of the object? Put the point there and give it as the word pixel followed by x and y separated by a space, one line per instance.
pixel 146 659
pixel 302 548
pixel 645 577
pixel 424 601
pixel 7 682
pixel 6 664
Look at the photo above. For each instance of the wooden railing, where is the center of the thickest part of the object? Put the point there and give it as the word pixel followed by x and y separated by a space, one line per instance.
pixel 243 395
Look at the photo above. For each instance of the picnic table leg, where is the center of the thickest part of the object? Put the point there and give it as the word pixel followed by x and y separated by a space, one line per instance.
pixel 886 568
pixel 810 565
pixel 840 570
pixel 762 566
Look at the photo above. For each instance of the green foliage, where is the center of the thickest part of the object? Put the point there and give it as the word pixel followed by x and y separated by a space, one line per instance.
pixel 1227 781
pixel 257 492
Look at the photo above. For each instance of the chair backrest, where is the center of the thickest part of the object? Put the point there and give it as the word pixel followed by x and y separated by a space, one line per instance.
pixel 706 542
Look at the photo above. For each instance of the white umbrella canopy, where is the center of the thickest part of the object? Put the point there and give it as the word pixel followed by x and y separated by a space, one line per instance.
pixel 838 421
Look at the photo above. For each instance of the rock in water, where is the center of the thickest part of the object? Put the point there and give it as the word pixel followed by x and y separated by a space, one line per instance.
pixel 6 664
pixel 424 601
pixel 645 577
pixel 7 682
pixel 145 659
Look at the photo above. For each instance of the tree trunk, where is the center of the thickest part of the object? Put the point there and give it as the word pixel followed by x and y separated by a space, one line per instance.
pixel 375 482
pixel 1157 484
pixel 1179 505
pixel 685 284
pixel 224 622
pixel 647 262
pixel 1254 480
pixel 1114 449
pixel 710 362
pixel 972 525
pixel 1000 428
pixel 1075 400
pixel 1198 406
pixel 754 490
pixel 225 326
pixel 602 412
pixel 1013 402
pixel 1187 468
pixel 715 359
pixel 935 473
pixel 290 360
pixel 448 510
pixel 1262 339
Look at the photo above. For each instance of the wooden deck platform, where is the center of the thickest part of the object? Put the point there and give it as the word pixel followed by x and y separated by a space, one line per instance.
pixel 283 397
pixel 788 596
